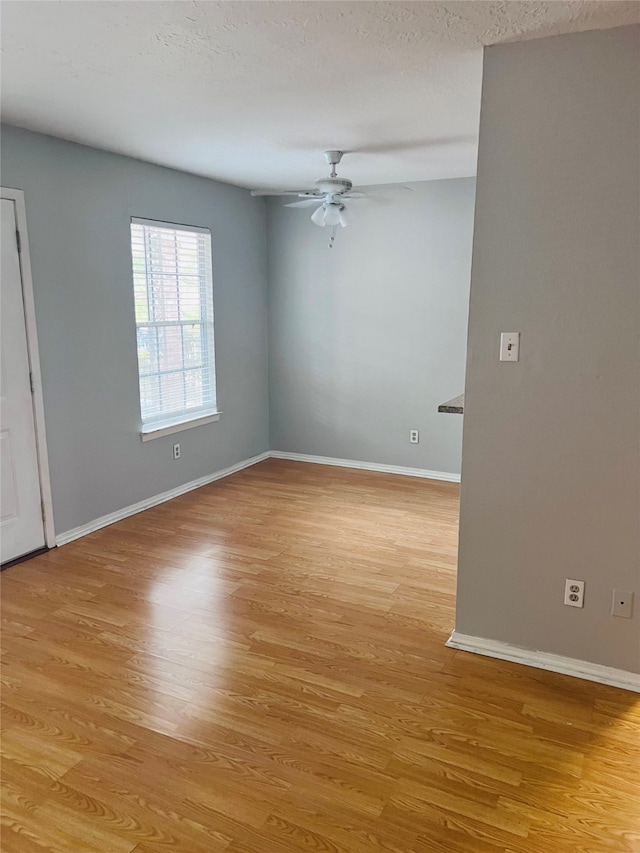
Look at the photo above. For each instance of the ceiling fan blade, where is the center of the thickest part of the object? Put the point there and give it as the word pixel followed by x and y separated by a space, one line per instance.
pixel 307 202
pixel 384 189
pixel 279 192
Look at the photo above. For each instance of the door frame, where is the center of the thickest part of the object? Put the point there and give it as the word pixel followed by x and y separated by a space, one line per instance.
pixel 17 197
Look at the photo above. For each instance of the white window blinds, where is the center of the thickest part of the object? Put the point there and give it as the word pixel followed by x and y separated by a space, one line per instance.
pixel 173 289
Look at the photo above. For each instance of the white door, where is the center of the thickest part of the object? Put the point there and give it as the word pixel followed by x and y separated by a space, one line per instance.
pixel 21 524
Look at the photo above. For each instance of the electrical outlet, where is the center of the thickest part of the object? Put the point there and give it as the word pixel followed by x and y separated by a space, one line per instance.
pixel 414 436
pixel 176 451
pixel 622 604
pixel 574 593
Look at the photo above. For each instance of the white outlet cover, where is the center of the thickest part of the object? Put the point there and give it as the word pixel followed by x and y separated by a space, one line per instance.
pixel 574 593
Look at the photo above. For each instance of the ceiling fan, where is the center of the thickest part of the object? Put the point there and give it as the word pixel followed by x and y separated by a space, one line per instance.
pixel 328 197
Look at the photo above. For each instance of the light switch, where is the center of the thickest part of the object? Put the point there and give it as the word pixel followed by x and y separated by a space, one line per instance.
pixel 509 346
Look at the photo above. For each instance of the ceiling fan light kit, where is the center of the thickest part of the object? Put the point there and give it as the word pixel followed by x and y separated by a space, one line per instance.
pixel 317 217
pixel 328 194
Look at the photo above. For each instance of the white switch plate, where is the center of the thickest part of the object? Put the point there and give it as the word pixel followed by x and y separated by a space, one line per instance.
pixel 509 346
pixel 574 593
pixel 622 603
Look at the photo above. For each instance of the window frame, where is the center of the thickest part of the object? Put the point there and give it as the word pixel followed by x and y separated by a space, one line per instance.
pixel 168 424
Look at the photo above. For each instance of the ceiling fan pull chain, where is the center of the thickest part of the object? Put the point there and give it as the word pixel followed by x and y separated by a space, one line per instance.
pixel 333 236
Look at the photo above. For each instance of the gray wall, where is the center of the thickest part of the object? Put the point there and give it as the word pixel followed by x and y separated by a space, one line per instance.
pixel 367 338
pixel 79 202
pixel 551 459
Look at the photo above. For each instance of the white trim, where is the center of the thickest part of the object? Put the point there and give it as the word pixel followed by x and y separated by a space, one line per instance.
pixel 170 226
pixel 17 197
pixel 150 431
pixel 545 660
pixel 368 466
pixel 127 511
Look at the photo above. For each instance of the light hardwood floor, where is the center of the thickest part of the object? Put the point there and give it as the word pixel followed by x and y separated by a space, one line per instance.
pixel 260 666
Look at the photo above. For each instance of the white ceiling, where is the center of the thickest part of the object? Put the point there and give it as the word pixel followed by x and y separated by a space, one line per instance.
pixel 252 92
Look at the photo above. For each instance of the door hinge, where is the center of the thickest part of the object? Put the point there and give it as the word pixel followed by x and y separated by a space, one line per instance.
pixel 19 241
pixel 31 382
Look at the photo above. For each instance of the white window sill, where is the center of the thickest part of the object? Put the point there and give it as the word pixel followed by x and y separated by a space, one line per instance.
pixel 158 430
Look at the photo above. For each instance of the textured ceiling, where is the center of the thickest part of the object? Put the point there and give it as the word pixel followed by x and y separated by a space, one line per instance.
pixel 252 92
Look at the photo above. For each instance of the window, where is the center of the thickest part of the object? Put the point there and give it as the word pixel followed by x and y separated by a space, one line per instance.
pixel 173 290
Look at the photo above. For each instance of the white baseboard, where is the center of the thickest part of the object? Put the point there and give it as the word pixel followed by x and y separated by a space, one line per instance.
pixel 546 660
pixel 368 466
pixel 127 511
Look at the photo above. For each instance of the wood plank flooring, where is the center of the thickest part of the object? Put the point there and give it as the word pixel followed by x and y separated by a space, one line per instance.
pixel 260 666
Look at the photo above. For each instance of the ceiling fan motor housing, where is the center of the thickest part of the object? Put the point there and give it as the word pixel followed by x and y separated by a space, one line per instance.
pixel 333 185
